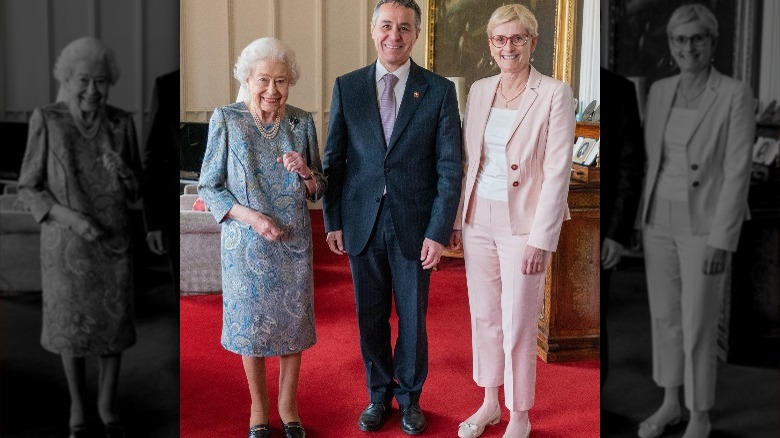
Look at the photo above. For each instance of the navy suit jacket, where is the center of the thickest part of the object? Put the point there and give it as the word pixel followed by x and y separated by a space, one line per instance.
pixel 421 166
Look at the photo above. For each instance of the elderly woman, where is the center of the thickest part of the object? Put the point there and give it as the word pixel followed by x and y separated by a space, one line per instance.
pixel 262 162
pixel 698 134
pixel 518 134
pixel 80 169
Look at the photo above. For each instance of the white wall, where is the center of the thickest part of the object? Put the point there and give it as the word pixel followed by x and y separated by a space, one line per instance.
pixel 329 37
pixel 143 33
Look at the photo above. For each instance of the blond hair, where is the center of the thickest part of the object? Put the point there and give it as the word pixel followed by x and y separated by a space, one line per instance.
pixel 513 12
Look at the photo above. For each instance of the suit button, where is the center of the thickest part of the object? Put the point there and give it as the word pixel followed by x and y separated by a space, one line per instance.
pixel 696 184
pixel 695 166
pixel 514 167
pixel 515 184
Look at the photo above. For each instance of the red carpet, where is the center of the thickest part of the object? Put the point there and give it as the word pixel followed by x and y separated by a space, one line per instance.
pixel 215 398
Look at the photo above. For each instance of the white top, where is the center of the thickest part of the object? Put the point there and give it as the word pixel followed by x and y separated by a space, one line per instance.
pixel 402 73
pixel 492 176
pixel 672 182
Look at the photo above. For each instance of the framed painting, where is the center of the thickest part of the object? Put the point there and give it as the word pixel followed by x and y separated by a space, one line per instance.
pixel 457 42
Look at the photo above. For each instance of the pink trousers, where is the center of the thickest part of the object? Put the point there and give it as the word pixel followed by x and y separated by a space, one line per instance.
pixel 505 304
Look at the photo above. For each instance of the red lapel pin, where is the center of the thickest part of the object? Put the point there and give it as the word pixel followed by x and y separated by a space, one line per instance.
pixel 416 94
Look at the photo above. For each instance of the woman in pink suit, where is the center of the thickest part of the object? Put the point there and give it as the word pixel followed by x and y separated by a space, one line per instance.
pixel 698 133
pixel 518 134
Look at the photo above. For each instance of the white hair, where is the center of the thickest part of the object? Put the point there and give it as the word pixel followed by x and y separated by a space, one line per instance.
pixel 262 49
pixel 87 48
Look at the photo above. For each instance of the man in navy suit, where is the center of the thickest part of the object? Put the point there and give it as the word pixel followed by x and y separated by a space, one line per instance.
pixel 393 163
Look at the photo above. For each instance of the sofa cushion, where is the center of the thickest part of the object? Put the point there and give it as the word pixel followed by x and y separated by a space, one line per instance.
pixel 18 222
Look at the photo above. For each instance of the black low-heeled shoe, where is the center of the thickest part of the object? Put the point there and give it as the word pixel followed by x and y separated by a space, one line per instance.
pixel 294 429
pixel 259 431
pixel 79 431
pixel 115 429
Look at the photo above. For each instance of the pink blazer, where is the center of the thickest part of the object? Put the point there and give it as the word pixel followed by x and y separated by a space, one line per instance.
pixel 538 156
pixel 718 152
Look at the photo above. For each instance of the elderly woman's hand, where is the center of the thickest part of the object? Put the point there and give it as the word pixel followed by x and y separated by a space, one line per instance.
pixel 82 224
pixel 293 162
pixel 534 260
pixel 265 226
pixel 114 164
pixel 262 224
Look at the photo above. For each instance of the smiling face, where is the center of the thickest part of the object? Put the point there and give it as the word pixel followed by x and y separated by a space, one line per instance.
pixel 511 58
pixel 394 34
pixel 88 85
pixel 690 56
pixel 269 85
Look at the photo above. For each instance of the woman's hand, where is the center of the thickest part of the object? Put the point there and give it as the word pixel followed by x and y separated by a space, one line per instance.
pixel 534 260
pixel 262 224
pixel 82 224
pixel 714 260
pixel 293 162
pixel 114 164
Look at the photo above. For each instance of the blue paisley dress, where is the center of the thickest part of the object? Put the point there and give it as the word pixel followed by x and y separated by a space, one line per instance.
pixel 87 286
pixel 267 287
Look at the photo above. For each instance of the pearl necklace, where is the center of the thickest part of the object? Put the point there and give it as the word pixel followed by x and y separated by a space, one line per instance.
pixel 88 131
pixel 501 90
pixel 268 135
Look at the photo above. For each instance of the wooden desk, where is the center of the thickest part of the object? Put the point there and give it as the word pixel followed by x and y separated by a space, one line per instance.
pixel 569 323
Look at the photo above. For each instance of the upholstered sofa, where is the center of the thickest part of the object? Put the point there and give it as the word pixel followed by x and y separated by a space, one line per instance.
pixel 199 249
pixel 20 247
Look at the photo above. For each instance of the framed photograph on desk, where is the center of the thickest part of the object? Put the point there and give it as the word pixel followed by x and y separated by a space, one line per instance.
pixel 585 151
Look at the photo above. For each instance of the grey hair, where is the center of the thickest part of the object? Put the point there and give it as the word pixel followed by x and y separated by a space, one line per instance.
pixel 409 4
pixel 262 49
pixel 86 48
pixel 690 13
pixel 512 12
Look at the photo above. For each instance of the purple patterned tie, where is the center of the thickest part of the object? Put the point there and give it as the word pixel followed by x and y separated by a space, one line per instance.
pixel 387 105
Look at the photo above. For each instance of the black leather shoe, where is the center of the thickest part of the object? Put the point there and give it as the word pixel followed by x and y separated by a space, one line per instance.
pixel 294 429
pixel 412 419
pixel 374 417
pixel 259 431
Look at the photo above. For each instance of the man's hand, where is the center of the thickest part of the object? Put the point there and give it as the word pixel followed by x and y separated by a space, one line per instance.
pixel 336 242
pixel 154 240
pixel 611 252
pixel 431 253
pixel 534 260
pixel 456 240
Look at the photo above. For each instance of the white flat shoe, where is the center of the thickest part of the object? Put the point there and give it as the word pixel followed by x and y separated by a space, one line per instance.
pixel 527 431
pixel 472 430
pixel 654 430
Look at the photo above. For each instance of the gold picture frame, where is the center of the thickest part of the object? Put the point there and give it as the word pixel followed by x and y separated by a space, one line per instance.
pixel 563 37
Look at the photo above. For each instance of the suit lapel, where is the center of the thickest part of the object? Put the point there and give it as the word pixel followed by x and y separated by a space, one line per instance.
pixel 413 95
pixel 528 99
pixel 484 104
pixel 707 100
pixel 665 107
pixel 372 105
